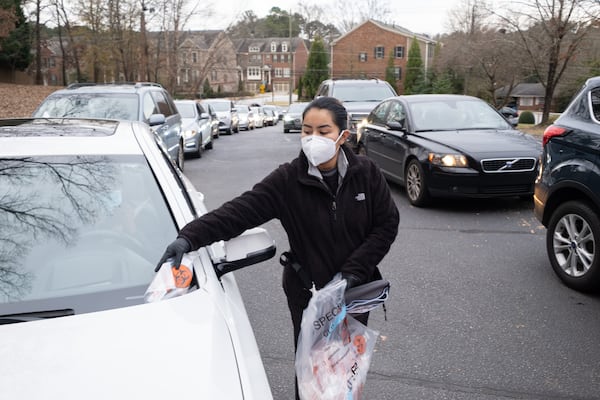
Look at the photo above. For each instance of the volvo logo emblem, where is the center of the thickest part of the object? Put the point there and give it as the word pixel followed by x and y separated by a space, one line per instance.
pixel 509 164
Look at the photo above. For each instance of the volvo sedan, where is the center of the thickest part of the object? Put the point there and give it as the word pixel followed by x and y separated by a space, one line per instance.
pixel 449 146
pixel 87 207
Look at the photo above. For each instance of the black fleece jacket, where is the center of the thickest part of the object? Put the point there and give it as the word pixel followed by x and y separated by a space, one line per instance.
pixel 350 231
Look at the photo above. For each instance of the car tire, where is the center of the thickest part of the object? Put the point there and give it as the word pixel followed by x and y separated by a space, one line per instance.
pixel 209 145
pixel 415 184
pixel 572 239
pixel 286 130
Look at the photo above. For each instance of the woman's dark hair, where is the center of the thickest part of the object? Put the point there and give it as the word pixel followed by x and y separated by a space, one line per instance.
pixel 334 106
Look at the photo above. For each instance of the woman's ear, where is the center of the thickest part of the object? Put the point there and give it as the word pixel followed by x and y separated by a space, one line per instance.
pixel 345 133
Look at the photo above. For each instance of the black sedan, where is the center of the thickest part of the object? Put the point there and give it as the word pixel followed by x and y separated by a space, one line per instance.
pixel 449 146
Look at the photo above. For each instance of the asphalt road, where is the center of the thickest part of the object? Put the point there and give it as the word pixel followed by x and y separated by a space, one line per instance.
pixel 475 310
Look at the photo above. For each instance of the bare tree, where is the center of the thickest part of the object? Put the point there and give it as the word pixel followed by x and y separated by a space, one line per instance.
pixel 550 33
pixel 350 16
pixel 62 15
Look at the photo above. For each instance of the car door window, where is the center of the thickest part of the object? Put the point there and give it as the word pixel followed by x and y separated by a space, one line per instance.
pixel 396 113
pixel 161 102
pixel 378 116
pixel 149 106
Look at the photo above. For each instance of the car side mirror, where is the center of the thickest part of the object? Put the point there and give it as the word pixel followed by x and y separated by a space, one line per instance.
pixel 251 247
pixel 204 116
pixel 397 125
pixel 157 119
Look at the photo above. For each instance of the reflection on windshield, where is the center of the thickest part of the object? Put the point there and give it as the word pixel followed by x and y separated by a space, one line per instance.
pixel 363 93
pixel 186 110
pixel 455 115
pixel 78 225
pixel 106 106
pixel 221 106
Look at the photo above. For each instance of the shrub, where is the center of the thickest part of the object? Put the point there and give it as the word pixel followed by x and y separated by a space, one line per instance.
pixel 526 117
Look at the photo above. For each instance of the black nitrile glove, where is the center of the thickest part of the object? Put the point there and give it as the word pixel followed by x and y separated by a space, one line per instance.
pixel 351 280
pixel 175 250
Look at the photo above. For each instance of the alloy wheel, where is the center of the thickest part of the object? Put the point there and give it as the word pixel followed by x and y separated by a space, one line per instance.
pixel 574 245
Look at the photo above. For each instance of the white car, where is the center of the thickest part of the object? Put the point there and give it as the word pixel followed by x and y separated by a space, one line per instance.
pixel 196 126
pixel 87 207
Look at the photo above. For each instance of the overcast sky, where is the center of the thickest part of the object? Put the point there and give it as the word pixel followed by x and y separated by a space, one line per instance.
pixel 419 16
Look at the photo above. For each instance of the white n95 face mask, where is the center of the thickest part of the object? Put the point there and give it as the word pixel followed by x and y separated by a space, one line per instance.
pixel 319 149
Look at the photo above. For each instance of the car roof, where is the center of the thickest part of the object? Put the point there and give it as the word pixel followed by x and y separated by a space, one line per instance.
pixel 423 98
pixel 593 81
pixel 58 136
pixel 129 87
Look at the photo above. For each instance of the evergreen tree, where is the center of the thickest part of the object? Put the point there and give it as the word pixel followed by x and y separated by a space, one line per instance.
pixel 207 89
pixel 15 49
pixel 414 82
pixel 316 68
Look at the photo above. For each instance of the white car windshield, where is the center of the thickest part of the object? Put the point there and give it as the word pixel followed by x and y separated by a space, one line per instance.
pixel 221 106
pixel 77 230
pixel 186 110
pixel 362 93
pixel 98 105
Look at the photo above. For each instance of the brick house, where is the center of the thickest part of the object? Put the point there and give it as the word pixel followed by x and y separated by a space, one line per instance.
pixel 206 55
pixel 525 96
pixel 273 63
pixel 365 51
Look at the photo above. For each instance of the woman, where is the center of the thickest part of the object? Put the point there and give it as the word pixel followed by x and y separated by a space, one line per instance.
pixel 335 207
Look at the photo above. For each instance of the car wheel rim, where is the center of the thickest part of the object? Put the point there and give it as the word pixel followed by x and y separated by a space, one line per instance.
pixel 574 245
pixel 413 182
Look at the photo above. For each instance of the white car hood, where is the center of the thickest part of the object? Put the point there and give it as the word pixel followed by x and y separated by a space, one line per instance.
pixel 173 349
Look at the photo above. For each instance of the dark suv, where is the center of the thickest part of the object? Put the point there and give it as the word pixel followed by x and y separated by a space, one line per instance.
pixel 141 101
pixel 359 96
pixel 567 190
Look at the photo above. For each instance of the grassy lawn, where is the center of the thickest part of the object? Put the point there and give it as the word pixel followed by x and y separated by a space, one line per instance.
pixel 537 130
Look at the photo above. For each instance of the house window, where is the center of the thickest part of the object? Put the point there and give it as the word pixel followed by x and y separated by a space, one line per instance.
pixel 278 72
pixel 284 46
pixel 286 72
pixel 253 73
pixel 398 73
pixel 254 49
pixel 379 52
pixel 275 57
pixel 255 58
pixel 213 75
pixel 362 57
pixel 51 62
pixel 526 101
pixel 539 101
pixel 273 47
pixel 186 75
pixel 194 57
pixel 399 52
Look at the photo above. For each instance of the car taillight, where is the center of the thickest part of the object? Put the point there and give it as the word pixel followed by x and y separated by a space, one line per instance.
pixel 552 131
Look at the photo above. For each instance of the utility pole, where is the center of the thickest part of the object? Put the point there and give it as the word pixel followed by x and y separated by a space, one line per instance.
pixel 145 58
pixel 290 58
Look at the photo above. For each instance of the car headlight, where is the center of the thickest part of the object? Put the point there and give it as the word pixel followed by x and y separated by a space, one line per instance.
pixel 448 160
pixel 189 133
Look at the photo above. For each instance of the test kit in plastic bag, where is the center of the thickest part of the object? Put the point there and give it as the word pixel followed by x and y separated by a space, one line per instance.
pixel 334 350
pixel 170 281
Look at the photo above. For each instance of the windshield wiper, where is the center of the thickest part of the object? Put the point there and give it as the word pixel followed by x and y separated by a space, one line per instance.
pixel 34 316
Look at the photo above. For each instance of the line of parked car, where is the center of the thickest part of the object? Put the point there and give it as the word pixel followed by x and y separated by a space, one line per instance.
pixel 441 146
